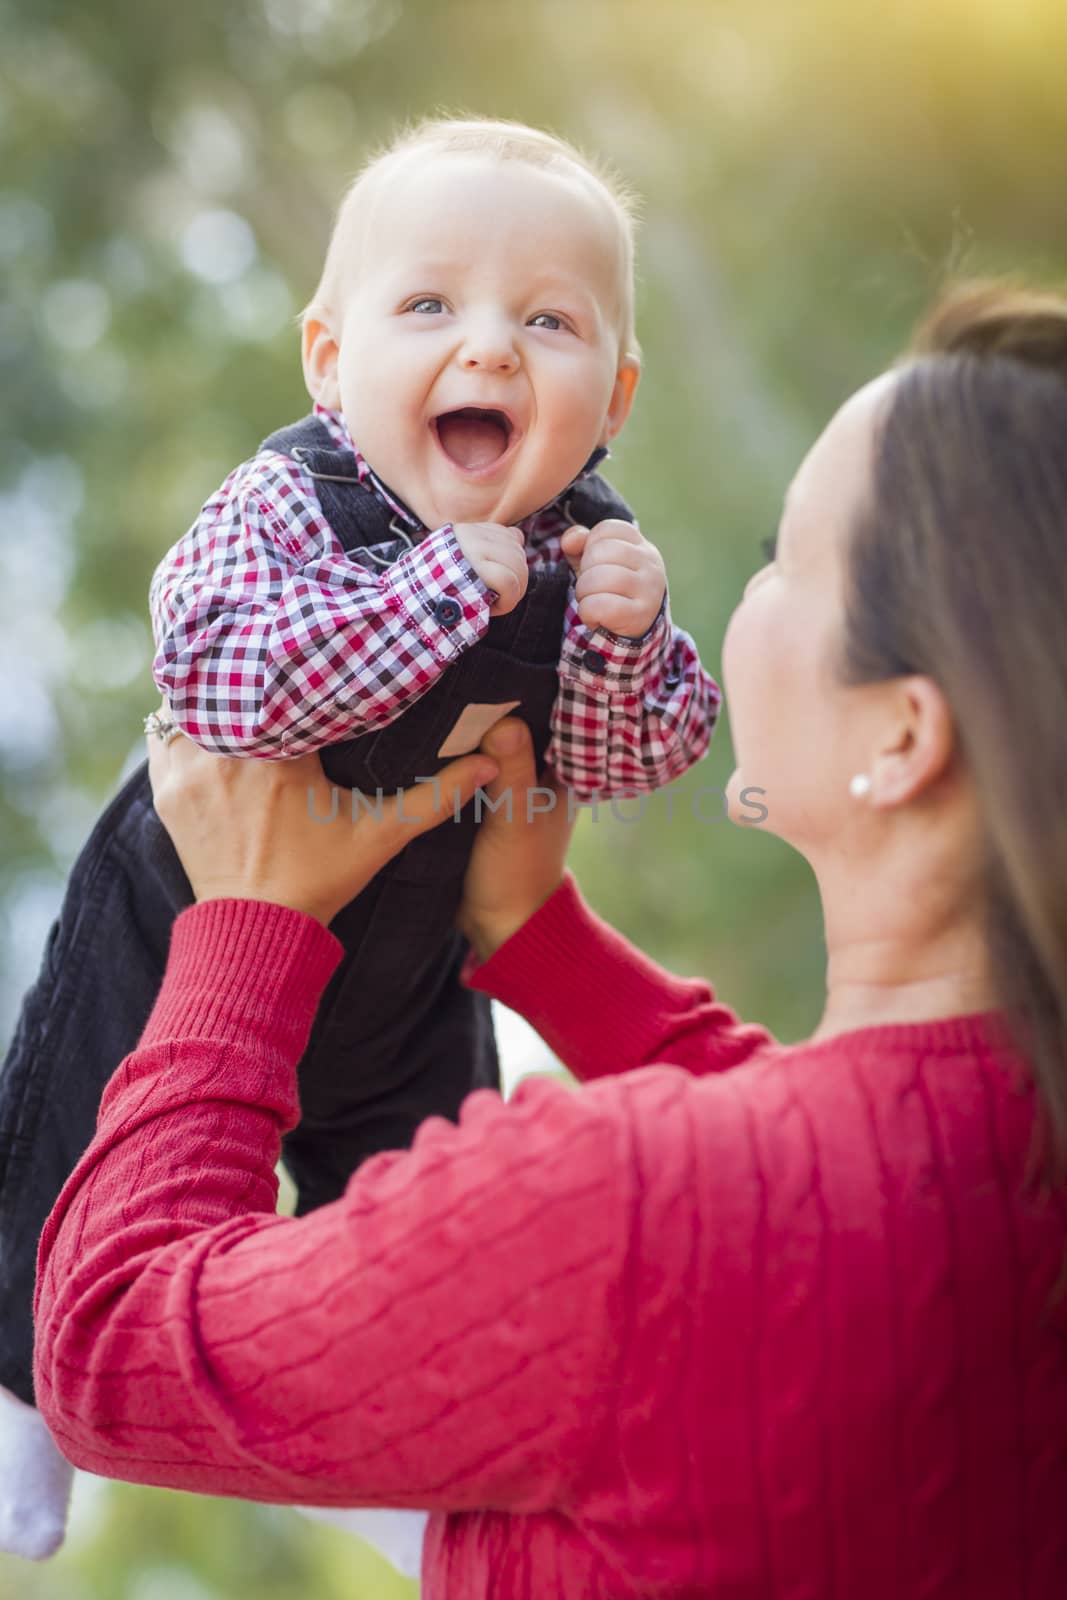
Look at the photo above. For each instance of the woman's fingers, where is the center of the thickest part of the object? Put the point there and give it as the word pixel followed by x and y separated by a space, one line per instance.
pixel 518 855
pixel 161 752
pixel 254 829
pixel 156 752
pixel 362 839
pixel 432 802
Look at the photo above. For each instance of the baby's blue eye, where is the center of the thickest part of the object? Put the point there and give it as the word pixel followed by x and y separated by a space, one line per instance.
pixel 769 547
pixel 545 319
pixel 427 307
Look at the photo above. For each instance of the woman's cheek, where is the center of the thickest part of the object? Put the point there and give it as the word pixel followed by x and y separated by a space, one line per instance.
pixel 736 647
pixel 755 688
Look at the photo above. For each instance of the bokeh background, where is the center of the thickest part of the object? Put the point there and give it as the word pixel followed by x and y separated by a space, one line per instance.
pixel 811 174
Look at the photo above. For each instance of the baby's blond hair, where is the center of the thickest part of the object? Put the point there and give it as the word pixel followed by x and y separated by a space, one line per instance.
pixel 507 141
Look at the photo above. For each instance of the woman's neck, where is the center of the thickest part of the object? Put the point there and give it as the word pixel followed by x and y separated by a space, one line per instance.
pixel 908 948
pixel 857 1001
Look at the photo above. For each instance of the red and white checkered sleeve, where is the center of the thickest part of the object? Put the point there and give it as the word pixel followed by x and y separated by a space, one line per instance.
pixel 272 641
pixel 631 714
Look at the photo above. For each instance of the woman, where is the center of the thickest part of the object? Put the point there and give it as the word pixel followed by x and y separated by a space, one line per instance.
pixel 756 1320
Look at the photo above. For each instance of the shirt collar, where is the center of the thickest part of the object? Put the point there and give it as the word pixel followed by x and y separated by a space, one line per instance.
pixel 338 427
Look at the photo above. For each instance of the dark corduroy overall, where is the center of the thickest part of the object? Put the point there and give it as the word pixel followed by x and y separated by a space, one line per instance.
pixel 396 1038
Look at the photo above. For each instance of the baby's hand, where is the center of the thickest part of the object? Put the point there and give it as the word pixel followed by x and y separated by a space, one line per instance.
pixel 498 556
pixel 621 577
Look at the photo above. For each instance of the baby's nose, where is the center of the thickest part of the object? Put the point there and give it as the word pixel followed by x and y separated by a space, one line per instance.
pixel 490 360
pixel 489 350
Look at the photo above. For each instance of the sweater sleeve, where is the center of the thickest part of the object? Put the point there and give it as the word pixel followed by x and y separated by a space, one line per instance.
pixel 439 1337
pixel 602 1005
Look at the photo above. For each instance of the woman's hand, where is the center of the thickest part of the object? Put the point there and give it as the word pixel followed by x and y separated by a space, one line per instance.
pixel 520 850
pixel 251 829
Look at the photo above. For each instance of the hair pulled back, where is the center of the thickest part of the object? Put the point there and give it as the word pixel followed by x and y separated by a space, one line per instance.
pixel 957 570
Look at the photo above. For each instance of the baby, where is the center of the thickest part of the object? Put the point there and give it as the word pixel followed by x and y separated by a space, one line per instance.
pixel 430 550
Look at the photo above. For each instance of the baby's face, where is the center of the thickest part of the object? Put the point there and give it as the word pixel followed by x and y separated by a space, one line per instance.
pixel 477 358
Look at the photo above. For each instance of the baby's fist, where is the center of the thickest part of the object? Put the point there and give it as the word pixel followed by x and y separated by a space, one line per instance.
pixel 621 577
pixel 498 556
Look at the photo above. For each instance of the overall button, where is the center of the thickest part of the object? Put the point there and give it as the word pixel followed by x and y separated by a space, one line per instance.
pixel 447 612
pixel 593 661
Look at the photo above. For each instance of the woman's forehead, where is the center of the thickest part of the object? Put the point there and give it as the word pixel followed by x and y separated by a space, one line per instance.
pixel 836 473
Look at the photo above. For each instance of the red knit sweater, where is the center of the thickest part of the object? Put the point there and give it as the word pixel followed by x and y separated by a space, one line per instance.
pixel 783 1330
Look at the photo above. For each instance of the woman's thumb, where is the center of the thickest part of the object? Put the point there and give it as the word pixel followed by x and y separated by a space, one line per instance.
pixel 507 740
pixel 509 745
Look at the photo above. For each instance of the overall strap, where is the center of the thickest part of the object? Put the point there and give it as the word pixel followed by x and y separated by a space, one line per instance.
pixel 355 513
pixel 591 499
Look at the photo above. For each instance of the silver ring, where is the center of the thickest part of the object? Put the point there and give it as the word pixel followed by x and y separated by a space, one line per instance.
pixel 163 727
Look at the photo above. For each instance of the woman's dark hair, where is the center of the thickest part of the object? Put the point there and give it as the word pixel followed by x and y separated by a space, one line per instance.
pixel 957 570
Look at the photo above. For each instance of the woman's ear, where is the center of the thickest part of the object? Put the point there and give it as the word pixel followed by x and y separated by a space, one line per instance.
pixel 319 353
pixel 622 396
pixel 921 747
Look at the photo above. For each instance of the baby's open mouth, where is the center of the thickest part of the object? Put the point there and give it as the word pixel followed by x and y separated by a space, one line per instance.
pixel 474 436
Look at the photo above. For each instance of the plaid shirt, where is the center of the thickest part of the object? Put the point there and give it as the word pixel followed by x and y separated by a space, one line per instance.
pixel 272 641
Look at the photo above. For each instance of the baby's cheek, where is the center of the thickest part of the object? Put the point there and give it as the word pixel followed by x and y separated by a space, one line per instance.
pixel 574 398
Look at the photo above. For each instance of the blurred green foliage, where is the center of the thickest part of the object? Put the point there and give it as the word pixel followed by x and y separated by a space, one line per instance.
pixel 810 175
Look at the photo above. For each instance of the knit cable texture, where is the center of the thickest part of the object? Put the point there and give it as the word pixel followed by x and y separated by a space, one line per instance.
pixel 747 1321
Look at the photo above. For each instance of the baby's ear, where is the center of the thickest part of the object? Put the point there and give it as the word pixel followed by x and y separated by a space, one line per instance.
pixel 622 396
pixel 319 353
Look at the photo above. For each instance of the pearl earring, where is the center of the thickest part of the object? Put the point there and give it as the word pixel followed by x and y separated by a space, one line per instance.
pixel 859 786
